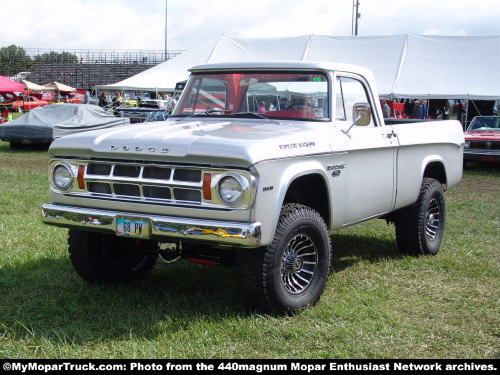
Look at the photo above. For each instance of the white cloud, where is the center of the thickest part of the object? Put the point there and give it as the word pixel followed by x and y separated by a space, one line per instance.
pixel 133 24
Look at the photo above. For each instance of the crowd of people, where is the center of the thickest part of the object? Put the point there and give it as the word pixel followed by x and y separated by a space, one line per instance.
pixel 421 109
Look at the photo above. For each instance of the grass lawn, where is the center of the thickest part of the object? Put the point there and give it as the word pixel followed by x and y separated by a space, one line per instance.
pixel 377 304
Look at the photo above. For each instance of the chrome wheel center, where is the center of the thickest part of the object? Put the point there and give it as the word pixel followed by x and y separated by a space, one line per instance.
pixel 298 264
pixel 432 219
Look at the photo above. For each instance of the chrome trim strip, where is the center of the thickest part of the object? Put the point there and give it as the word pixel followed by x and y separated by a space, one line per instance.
pixel 481 151
pixel 221 232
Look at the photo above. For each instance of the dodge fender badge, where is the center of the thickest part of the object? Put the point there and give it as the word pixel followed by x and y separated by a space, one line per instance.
pixel 151 149
pixel 164 150
pixel 113 147
pixel 336 173
pixel 138 148
pixel 335 166
pixel 297 145
pixel 125 148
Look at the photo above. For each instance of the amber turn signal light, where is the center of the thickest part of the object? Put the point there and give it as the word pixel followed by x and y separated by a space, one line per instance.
pixel 207 181
pixel 81 180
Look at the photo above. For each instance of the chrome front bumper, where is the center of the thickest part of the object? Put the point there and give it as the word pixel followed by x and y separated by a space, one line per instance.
pixel 482 154
pixel 162 227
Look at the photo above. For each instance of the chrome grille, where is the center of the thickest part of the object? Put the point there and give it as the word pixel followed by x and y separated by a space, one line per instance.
pixel 489 145
pixel 144 182
pixel 152 182
pixel 99 187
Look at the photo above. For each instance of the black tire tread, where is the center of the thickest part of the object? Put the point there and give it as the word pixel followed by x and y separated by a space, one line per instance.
pixel 82 245
pixel 410 221
pixel 255 267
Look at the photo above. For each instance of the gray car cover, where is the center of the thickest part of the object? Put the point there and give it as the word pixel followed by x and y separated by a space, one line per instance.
pixel 56 120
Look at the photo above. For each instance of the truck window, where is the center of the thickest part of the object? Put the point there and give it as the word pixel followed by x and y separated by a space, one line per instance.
pixel 209 94
pixel 353 91
pixel 339 101
pixel 295 95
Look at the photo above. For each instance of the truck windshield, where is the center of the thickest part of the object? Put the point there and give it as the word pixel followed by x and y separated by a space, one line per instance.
pixel 285 95
pixel 485 123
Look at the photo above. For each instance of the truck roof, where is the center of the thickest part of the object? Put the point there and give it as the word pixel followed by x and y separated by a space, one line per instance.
pixel 283 65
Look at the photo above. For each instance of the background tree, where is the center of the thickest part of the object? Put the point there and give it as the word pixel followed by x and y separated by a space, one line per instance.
pixel 14 59
pixel 58 57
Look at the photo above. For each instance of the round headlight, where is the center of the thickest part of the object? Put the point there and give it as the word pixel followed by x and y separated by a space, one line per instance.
pixel 230 190
pixel 62 177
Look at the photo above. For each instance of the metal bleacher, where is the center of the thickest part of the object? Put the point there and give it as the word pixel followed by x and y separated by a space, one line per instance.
pixel 87 68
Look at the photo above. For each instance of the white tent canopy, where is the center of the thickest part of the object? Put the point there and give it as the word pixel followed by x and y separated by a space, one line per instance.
pixel 56 86
pixel 411 66
pixel 33 86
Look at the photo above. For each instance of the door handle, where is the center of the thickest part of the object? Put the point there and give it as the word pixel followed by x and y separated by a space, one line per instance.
pixel 390 134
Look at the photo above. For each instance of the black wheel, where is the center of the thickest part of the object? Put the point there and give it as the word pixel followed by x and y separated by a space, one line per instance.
pixel 420 227
pixel 290 273
pixel 102 258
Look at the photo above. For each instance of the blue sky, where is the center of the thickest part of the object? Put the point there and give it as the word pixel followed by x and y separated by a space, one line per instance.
pixel 135 24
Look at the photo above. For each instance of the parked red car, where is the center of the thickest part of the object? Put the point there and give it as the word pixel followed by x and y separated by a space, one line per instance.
pixel 24 103
pixel 48 96
pixel 75 97
pixel 482 139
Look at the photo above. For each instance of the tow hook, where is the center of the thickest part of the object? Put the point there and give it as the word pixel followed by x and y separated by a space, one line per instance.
pixel 170 252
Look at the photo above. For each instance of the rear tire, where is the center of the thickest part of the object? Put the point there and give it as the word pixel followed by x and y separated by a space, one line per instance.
pixel 290 273
pixel 103 258
pixel 420 227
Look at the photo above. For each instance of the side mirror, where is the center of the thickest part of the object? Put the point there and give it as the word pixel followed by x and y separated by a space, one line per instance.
pixel 361 115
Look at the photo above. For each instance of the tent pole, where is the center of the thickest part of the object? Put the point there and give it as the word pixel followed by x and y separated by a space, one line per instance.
pixel 475 106
pixel 466 114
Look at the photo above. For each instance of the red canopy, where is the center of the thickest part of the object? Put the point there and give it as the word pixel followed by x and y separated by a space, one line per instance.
pixel 8 85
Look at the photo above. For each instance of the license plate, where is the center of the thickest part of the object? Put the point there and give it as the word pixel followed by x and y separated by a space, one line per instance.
pixel 129 227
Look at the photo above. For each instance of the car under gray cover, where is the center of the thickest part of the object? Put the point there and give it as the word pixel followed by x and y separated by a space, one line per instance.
pixel 44 124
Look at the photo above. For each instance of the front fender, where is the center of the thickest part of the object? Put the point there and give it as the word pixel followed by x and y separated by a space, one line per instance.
pixel 275 178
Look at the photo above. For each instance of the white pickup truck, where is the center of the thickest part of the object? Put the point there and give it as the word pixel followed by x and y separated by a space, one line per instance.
pixel 258 165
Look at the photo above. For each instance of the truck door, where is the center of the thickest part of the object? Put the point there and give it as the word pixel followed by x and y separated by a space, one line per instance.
pixel 371 155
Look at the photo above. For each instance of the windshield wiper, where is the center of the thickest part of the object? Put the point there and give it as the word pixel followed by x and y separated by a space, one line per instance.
pixel 207 112
pixel 225 111
pixel 258 115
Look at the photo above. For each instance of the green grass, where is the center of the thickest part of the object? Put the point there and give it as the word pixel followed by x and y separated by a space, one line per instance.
pixel 377 304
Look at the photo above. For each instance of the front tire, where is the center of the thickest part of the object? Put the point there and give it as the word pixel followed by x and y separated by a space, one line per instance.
pixel 420 227
pixel 291 273
pixel 103 258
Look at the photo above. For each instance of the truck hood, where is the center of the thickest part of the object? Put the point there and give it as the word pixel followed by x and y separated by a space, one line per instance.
pixel 209 141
